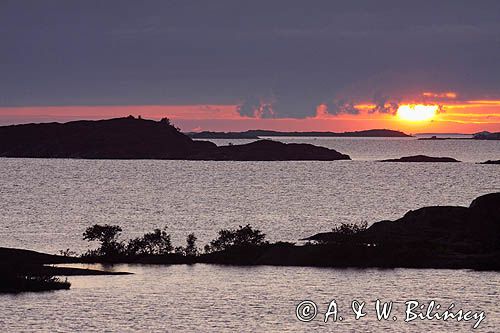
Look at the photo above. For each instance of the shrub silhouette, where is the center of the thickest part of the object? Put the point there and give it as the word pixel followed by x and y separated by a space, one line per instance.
pixel 349 229
pixel 107 235
pixel 243 236
pixel 67 253
pixel 153 243
pixel 158 242
pixel 345 232
pixel 190 250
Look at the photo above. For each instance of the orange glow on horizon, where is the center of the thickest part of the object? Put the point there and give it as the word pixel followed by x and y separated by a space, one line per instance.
pixel 461 116
pixel 449 94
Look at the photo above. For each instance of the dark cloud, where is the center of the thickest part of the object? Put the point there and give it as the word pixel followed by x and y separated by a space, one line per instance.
pixel 383 104
pixel 257 107
pixel 342 106
pixel 89 52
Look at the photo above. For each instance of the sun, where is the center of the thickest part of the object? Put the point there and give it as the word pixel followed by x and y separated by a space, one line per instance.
pixel 417 112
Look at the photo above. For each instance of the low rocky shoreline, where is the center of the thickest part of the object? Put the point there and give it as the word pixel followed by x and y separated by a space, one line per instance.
pixel 421 158
pixel 447 237
pixel 491 162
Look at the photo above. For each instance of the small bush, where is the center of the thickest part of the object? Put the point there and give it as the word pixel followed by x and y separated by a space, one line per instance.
pixel 345 232
pixel 349 229
pixel 67 253
pixel 190 250
pixel 242 236
pixel 153 243
pixel 165 121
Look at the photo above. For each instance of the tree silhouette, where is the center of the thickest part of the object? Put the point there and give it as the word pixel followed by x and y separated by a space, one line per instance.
pixel 152 243
pixel 107 235
pixel 191 249
pixel 242 236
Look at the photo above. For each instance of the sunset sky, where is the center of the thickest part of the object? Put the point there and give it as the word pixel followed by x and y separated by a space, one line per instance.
pixel 228 65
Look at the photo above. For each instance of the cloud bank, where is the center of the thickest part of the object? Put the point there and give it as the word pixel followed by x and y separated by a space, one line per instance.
pixel 337 53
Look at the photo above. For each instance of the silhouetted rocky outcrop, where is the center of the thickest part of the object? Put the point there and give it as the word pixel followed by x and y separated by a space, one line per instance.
pixel 434 138
pixel 450 237
pixel 131 138
pixel 267 150
pixel 11 256
pixel 486 136
pixel 34 263
pixel 491 162
pixel 475 228
pixel 421 158
pixel 255 134
pixel 443 236
pixel 23 282
pixel 222 135
pixel 24 270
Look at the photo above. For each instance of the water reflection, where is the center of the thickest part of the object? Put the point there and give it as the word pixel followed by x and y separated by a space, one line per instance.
pixel 228 298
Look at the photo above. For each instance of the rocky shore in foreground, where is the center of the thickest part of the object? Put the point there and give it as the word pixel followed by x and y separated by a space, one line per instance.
pixel 25 270
pixel 450 237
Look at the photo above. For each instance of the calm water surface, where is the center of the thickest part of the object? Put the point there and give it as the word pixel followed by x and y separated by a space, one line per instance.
pixel 46 205
pixel 210 298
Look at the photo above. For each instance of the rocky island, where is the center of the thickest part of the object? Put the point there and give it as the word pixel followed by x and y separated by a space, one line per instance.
pixel 486 136
pixel 421 158
pixel 491 162
pixel 136 138
pixel 256 134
